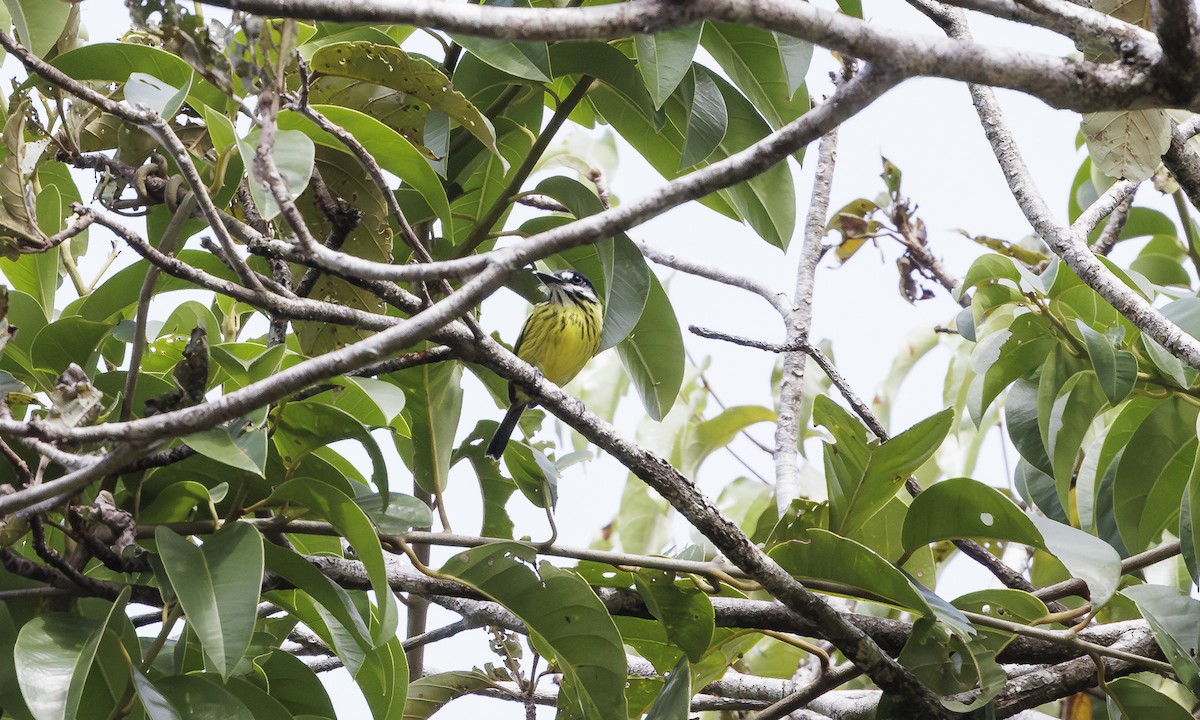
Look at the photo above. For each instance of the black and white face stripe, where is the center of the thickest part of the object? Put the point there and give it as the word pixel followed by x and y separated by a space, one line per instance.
pixel 568 285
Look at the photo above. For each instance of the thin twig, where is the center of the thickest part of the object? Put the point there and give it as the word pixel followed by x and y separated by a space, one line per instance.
pixel 776 298
pixel 1116 223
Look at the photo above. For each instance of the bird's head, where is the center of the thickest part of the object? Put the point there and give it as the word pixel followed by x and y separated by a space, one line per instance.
pixel 568 285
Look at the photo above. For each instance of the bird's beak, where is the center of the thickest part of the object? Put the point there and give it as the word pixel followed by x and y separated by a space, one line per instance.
pixel 546 278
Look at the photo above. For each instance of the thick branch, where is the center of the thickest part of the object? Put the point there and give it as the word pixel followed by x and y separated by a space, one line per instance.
pixel 1183 161
pixel 1076 21
pixel 1061 82
pixel 799 321
pixel 1176 24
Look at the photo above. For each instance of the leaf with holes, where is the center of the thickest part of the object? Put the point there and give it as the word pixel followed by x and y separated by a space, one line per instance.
pixel 965 508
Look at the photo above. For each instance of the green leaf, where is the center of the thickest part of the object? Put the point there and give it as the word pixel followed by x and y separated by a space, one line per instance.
pixel 376 403
pixel 708 118
pixel 1002 357
pixel 562 613
pixel 302 427
pixel 433 396
pixel 826 556
pixel 296 686
pixel 1186 314
pixel 156 705
pixel 1117 369
pixel 1066 424
pixel 414 76
pixel 383 679
pixel 1003 603
pixel 1161 269
pixel 174 503
pixel 715 433
pixel 1135 699
pixel 10 690
pixel 850 448
pixel 336 602
pixel 38 23
pixel 429 694
pixel 353 524
pixel 391 150
pixel 653 353
pixel 854 498
pixel 1172 615
pixel 262 705
pixel 766 202
pixel 241 444
pixel 494 488
pixel 536 477
pixel 54 654
pixel 1117 427
pixel 115 62
pixel 161 97
pixel 1086 556
pixel 1021 419
pixel 38 274
pixel 673 702
pixel 218 585
pixel 294 154
pixel 686 614
pixel 990 268
pixel 796 55
pixel 1127 144
pixel 949 664
pixel 664 58
pixel 1153 472
pixel 853 8
pixel 755 61
pixel 609 66
pixel 1189 515
pixel 966 508
pixel 1189 508
pixel 65 341
pixel 398 515
pixel 203 699
pixel 524 59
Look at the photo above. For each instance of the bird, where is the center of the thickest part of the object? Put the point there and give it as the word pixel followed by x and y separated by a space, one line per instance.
pixel 558 338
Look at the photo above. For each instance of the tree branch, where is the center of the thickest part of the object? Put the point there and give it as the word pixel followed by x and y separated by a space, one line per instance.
pixel 716 274
pixel 1176 24
pixel 799 321
pixel 1061 82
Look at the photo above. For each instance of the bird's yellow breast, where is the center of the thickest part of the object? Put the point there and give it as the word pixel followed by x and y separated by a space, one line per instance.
pixel 559 339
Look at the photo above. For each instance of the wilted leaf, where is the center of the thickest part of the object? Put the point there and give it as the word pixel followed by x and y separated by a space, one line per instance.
pixel 1127 144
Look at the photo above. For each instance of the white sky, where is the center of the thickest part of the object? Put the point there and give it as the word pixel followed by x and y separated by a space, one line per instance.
pixel 926 127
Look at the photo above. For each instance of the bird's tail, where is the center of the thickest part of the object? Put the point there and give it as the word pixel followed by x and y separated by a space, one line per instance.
pixel 500 440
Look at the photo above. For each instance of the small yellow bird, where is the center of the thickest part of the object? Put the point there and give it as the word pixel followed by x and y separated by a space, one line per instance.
pixel 558 338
